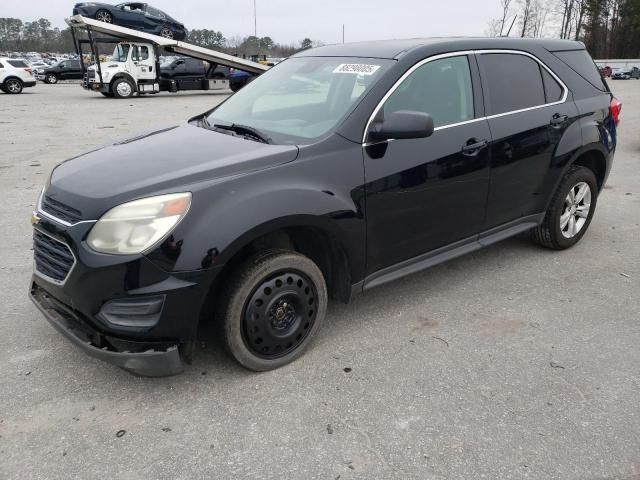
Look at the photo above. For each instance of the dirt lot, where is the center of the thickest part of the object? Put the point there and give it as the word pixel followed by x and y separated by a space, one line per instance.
pixel 512 362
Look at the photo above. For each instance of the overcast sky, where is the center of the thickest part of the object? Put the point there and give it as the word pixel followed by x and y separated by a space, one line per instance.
pixel 288 21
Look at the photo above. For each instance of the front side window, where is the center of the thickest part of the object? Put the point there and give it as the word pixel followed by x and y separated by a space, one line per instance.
pixel 513 81
pixel 154 12
pixel 442 88
pixel 120 53
pixel 302 98
pixel 144 53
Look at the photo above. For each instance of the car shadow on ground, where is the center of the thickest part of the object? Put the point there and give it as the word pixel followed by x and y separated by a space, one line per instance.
pixel 210 354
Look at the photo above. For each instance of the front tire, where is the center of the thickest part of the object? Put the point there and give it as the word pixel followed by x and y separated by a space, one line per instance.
pixel 51 79
pixel 166 32
pixel 13 86
pixel 122 88
pixel 273 306
pixel 571 210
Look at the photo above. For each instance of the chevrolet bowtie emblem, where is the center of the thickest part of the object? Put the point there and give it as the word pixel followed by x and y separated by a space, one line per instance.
pixel 35 219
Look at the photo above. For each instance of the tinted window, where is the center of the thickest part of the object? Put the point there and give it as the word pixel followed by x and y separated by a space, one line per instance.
pixel 17 63
pixel 582 63
pixel 1 66
pixel 552 89
pixel 75 64
pixel 514 82
pixel 441 88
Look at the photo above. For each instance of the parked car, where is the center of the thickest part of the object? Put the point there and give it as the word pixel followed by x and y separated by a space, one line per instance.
pixel 136 15
pixel 15 75
pixel 183 73
pixel 341 169
pixel 625 73
pixel 239 78
pixel 64 70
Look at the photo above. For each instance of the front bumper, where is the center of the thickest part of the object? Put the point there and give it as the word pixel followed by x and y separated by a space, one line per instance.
pixel 150 360
pixel 78 305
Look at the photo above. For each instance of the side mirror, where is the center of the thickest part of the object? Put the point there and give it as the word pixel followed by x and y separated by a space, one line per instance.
pixel 401 125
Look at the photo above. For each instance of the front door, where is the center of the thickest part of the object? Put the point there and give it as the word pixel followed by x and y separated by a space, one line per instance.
pixel 422 194
pixel 143 62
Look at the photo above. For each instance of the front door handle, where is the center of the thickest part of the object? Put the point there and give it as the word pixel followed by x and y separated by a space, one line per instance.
pixel 473 147
pixel 558 120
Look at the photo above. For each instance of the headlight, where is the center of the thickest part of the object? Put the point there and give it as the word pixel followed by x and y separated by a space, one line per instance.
pixel 137 226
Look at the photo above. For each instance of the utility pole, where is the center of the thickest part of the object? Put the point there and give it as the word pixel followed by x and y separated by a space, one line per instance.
pixel 343 33
pixel 255 19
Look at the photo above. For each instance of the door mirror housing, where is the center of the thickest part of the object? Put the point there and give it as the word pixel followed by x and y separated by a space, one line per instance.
pixel 403 124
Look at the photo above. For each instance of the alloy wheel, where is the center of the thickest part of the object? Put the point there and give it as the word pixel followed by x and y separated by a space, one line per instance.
pixel 166 33
pixel 575 212
pixel 104 16
pixel 13 86
pixel 52 79
pixel 280 314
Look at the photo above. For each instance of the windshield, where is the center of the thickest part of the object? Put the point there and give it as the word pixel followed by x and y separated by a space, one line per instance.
pixel 302 98
pixel 120 53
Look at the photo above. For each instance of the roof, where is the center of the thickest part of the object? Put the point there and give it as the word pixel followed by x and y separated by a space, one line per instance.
pixel 393 49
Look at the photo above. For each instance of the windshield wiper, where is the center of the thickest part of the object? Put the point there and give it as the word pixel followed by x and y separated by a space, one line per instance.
pixel 243 130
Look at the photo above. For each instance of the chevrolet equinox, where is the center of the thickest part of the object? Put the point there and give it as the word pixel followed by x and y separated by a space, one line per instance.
pixel 340 169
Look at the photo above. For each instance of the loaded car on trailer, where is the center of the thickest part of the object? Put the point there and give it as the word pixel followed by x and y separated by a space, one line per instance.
pixel 134 67
pixel 343 168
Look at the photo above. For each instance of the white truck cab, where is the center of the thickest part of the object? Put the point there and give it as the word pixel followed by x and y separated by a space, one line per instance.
pixel 133 68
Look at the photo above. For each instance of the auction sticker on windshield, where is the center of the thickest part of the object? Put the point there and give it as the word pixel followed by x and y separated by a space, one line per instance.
pixel 357 68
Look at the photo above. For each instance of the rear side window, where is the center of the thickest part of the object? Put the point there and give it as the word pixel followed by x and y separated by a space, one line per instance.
pixel 514 82
pixel 17 63
pixel 552 89
pixel 442 88
pixel 581 62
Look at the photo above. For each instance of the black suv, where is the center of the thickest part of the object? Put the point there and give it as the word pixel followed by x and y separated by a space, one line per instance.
pixel 340 169
pixel 64 70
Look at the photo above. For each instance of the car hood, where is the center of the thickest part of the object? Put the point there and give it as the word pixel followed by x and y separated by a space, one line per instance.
pixel 176 158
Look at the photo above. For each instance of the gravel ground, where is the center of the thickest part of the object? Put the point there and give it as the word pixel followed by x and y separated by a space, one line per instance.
pixel 512 362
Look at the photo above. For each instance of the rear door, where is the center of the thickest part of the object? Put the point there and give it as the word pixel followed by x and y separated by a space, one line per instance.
pixel 528 109
pixel 425 193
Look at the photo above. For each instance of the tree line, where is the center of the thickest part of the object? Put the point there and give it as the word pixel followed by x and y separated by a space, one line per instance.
pixel 608 28
pixel 40 36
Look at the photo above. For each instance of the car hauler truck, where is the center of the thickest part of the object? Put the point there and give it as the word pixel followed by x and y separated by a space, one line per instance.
pixel 134 67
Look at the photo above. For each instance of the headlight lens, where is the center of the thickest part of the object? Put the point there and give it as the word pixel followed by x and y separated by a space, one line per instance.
pixel 137 226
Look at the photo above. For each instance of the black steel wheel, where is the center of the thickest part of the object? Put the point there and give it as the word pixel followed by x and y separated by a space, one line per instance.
pixel 272 307
pixel 280 314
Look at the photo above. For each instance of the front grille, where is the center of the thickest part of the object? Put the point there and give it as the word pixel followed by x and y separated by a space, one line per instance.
pixel 53 259
pixel 60 210
pixel 91 74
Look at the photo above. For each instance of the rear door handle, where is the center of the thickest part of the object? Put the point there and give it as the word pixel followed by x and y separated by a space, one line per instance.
pixel 558 120
pixel 473 147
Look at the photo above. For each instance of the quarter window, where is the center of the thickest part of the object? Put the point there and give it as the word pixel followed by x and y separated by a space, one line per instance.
pixel 513 82
pixel 442 88
pixel 552 89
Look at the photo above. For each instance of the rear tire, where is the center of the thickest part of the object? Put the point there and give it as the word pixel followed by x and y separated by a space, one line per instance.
pixel 12 86
pixel 571 210
pixel 122 88
pixel 272 307
pixel 104 16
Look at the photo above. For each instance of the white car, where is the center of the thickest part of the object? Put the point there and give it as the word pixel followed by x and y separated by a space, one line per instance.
pixel 15 75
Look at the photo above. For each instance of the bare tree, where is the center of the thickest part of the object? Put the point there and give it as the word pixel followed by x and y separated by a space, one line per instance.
pixel 526 7
pixel 506 11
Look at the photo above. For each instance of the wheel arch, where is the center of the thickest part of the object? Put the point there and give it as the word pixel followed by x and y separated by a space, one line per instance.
pixel 308 235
